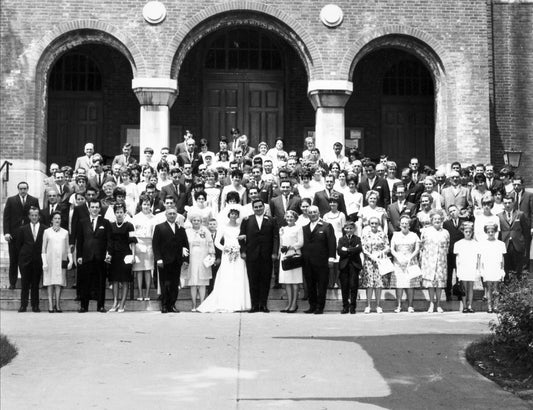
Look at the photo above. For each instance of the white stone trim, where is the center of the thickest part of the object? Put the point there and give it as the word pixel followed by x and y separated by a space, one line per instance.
pixel 334 85
pixel 155 83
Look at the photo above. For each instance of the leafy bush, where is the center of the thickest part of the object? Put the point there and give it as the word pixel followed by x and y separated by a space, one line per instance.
pixel 7 351
pixel 514 327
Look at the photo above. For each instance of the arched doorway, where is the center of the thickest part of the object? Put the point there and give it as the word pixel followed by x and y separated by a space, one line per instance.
pixel 250 79
pixel 89 100
pixel 394 103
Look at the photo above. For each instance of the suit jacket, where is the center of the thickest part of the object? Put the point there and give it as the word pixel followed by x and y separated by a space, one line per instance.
pixel 121 159
pixel 249 152
pixel 46 217
pixel 412 192
pixel 381 186
pixel 260 244
pixel 495 185
pixel 525 205
pixel 196 160
pixel 352 255
pixel 455 232
pixel 393 213
pixel 92 245
pixel 15 215
pixel 518 230
pixel 277 211
pixel 181 147
pixel 265 190
pixel 83 162
pixel 29 249
pixel 181 196
pixel 93 182
pixel 168 246
pixel 319 244
pixel 460 199
pixel 322 201
pixel 156 206
pixel 63 198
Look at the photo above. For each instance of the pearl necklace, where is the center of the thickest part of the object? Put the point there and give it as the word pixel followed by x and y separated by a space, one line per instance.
pixel 120 226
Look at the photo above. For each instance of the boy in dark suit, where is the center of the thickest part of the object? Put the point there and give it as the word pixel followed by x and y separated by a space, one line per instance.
pixel 349 250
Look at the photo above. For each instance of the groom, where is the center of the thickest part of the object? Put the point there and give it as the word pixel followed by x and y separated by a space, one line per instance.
pixel 259 240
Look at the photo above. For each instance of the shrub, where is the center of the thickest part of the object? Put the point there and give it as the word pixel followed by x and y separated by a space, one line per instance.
pixel 7 351
pixel 514 327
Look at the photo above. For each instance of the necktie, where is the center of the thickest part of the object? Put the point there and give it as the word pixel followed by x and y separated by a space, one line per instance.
pixel 23 201
pixel 285 203
pixel 33 226
pixel 93 224
pixel 509 217
pixel 99 179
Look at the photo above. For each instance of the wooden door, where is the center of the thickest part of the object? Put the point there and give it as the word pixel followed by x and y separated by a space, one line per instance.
pixel 72 122
pixel 408 130
pixel 263 112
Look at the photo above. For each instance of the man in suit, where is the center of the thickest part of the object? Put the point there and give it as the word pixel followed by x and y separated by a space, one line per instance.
pixel 190 156
pixel 99 178
pixel 86 161
pixel 413 191
pixel 177 190
pixel 92 236
pixel 80 213
pixel 29 245
pixel 265 188
pixel 155 204
pixel 318 254
pixel 50 181
pixel 16 215
pixel 455 194
pixel 399 208
pixel 60 187
pixel 321 199
pixel 181 147
pixel 515 232
pixel 125 158
pixel 259 240
pixel 349 250
pixel 524 203
pixel 171 249
pixel 441 182
pixel 53 206
pixel 453 226
pixel 283 202
pixel 247 151
pixel 416 176
pixel 493 182
pixel 375 183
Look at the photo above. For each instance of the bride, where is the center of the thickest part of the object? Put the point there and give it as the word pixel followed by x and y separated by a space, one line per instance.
pixel 231 292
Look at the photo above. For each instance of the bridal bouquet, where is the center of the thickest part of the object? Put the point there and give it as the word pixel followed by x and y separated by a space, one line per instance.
pixel 233 252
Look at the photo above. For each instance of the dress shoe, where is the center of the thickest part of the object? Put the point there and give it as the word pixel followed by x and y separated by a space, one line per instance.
pixel 36 309
pixel 22 309
pixel 310 310
pixel 58 310
pixel 264 309
pixel 352 310
pixel 164 310
pixel 102 310
pixel 82 310
pixel 173 309
pixel 318 311
pixel 283 311
pixel 254 310
pixel 293 310
pixel 344 311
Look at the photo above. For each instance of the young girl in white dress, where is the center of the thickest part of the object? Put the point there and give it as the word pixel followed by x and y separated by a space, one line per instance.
pixel 467 264
pixel 491 260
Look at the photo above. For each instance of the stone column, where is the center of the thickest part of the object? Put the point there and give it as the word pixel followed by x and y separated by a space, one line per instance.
pixel 329 98
pixel 156 96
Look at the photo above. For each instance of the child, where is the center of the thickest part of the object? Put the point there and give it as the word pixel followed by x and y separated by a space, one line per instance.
pixel 491 263
pixel 337 219
pixel 349 251
pixel 467 262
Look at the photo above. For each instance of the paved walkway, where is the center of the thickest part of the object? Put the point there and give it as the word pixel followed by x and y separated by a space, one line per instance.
pixel 244 361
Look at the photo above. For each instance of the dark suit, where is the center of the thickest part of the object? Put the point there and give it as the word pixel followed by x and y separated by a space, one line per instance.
pixel 195 161
pixel 97 183
pixel 259 246
pixel 16 215
pixel 393 213
pixel 455 235
pixel 412 192
pixel 380 185
pixel 62 198
pixel 46 217
pixel 525 204
pixel 277 211
pixel 168 247
pixel 265 189
pixel 319 246
pixel 495 185
pixel 180 194
pixel 155 205
pixel 322 201
pixel 349 266
pixel 30 263
pixel 516 235
pixel 91 246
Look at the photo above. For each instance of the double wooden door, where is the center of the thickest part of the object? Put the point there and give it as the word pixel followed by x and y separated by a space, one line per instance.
pixel 253 105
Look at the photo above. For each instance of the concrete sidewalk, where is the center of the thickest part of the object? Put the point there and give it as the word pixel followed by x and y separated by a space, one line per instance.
pixel 245 361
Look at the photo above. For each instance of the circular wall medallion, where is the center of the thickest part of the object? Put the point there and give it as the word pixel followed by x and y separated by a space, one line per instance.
pixel 154 12
pixel 331 15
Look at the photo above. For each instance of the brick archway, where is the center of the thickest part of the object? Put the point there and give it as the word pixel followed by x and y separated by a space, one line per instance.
pixel 243 13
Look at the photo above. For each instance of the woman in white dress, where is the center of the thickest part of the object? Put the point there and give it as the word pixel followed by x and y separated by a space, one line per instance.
pixel 143 265
pixel 56 259
pixel 291 240
pixel 231 292
pixel 201 246
pixel 491 265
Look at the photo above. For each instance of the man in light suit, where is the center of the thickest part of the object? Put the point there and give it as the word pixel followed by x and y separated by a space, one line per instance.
pixel 60 187
pixel 493 182
pixel 318 254
pixel 375 183
pixel 29 245
pixel 125 158
pixel 399 208
pixel 282 203
pixel 259 240
pixel 181 147
pixel 321 199
pixel 171 249
pixel 515 232
pixel 16 215
pixel 86 161
pixel 455 194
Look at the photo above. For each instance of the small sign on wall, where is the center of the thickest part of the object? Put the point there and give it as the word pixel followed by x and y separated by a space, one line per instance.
pixel 354 138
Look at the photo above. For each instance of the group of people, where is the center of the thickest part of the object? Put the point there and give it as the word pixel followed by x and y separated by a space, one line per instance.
pixel 225 224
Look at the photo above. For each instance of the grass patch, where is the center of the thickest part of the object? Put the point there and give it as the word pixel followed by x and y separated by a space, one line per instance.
pixel 7 351
pixel 497 363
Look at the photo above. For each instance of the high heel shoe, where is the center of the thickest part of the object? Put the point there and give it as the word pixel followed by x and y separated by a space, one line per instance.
pixel 52 311
pixel 293 310
pixel 58 310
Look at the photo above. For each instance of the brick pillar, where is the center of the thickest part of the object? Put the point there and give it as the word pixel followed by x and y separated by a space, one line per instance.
pixel 156 96
pixel 329 98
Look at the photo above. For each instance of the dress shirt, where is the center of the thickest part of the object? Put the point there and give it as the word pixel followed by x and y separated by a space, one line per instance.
pixel 259 220
pixel 172 226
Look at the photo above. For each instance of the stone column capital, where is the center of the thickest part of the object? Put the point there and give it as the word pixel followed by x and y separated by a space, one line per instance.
pixel 329 93
pixel 155 91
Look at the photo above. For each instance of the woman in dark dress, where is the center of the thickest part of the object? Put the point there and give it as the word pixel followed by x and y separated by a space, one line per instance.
pixel 120 256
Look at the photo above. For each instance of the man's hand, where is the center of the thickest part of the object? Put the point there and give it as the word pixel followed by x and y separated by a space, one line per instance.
pixel 185 252
pixel 274 256
pixel 241 237
pixel 160 263
pixel 79 260
pixel 8 237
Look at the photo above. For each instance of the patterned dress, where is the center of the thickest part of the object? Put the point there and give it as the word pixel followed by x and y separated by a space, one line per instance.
pixel 374 243
pixel 404 245
pixel 434 246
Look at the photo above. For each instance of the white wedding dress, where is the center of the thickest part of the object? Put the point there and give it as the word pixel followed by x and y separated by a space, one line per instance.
pixel 231 292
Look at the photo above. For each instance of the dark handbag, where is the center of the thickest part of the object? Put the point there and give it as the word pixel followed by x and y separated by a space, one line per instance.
pixel 292 262
pixel 64 264
pixel 458 290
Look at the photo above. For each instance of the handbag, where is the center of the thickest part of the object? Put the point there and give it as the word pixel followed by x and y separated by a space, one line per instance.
pixel 208 261
pixel 413 271
pixel 385 266
pixel 64 264
pixel 458 290
pixel 292 262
